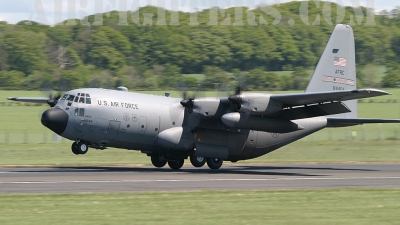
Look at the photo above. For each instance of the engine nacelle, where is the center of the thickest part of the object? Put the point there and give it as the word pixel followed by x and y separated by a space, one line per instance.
pixel 177 138
pixel 260 123
pixel 259 104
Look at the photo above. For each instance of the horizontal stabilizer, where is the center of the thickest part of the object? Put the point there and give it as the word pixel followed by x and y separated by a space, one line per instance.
pixel 30 100
pixel 347 122
pixel 321 97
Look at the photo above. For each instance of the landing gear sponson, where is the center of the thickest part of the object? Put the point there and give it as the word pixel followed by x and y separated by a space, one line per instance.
pixel 159 161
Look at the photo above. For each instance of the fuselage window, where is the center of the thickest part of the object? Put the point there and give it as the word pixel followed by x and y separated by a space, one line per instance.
pixel 82 112
pixel 76 112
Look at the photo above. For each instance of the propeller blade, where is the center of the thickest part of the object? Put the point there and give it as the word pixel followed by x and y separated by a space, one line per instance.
pixel 238 90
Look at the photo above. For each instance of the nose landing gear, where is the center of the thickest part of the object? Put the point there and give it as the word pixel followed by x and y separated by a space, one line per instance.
pixel 79 148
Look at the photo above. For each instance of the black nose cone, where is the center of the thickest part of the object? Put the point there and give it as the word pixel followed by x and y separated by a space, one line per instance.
pixel 56 120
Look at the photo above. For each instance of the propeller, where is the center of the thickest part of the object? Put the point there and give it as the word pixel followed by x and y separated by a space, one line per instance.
pixel 48 88
pixel 188 102
pixel 237 98
pixel 53 100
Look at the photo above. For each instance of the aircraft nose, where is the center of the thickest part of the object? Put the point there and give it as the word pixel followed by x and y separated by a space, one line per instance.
pixel 56 120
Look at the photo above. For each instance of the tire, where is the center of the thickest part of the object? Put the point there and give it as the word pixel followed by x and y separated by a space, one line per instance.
pixel 214 164
pixel 176 164
pixel 74 148
pixel 82 148
pixel 198 162
pixel 157 161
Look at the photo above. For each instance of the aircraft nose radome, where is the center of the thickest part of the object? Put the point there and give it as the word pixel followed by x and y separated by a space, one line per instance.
pixel 56 120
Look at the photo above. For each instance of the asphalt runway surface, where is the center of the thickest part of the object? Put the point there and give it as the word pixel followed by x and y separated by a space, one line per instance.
pixel 229 177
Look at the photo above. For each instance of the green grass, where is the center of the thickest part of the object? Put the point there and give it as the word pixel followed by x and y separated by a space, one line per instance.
pixel 298 152
pixel 343 206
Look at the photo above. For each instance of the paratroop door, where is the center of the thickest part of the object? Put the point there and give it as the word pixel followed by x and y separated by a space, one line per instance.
pixel 113 129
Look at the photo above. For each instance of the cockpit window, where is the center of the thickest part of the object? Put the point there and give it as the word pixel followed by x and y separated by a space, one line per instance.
pixel 88 99
pixel 82 100
pixel 70 98
pixel 82 112
pixel 77 97
pixel 79 112
pixel 64 97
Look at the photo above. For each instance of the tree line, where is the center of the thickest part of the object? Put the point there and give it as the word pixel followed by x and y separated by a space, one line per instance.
pixel 148 56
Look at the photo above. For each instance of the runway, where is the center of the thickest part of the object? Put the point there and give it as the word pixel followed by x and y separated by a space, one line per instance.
pixel 229 177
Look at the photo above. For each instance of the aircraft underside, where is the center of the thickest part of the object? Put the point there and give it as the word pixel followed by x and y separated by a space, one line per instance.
pixel 212 147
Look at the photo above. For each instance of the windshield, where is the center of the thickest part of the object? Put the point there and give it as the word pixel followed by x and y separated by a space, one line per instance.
pixel 70 98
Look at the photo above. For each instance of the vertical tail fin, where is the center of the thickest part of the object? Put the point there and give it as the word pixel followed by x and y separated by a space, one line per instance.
pixel 336 70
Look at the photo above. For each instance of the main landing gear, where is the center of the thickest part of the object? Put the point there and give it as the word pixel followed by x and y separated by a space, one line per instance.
pixel 158 161
pixel 176 164
pixel 214 164
pixel 80 148
pixel 198 162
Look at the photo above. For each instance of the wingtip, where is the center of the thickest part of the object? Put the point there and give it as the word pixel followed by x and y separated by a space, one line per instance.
pixel 377 91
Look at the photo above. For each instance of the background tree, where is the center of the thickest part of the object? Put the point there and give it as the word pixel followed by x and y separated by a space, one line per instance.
pixel 300 78
pixel 144 56
pixel 11 79
pixel 24 51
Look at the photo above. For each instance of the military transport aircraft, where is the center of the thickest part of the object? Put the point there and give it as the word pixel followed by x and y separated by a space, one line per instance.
pixel 212 130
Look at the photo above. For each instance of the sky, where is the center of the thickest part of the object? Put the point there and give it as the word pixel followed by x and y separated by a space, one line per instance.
pixel 54 11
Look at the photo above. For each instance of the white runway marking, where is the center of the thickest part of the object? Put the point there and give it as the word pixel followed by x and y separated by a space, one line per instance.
pixel 203 180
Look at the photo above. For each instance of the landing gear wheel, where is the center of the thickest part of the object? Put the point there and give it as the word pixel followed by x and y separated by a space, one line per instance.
pixel 74 148
pixel 214 164
pixel 158 161
pixel 82 148
pixel 176 164
pixel 198 161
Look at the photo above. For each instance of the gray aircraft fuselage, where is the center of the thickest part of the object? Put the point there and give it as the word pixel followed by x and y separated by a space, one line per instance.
pixel 111 118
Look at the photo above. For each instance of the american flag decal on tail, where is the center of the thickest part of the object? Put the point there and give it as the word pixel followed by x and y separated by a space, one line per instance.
pixel 339 61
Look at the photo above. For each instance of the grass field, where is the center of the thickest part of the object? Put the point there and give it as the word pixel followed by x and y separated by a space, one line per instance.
pixel 298 152
pixel 345 206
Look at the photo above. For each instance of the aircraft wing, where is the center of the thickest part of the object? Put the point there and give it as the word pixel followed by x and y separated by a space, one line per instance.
pixel 29 100
pixel 347 122
pixel 321 97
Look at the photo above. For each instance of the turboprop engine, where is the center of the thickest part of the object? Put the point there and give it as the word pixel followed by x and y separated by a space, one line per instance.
pixel 255 104
pixel 260 123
